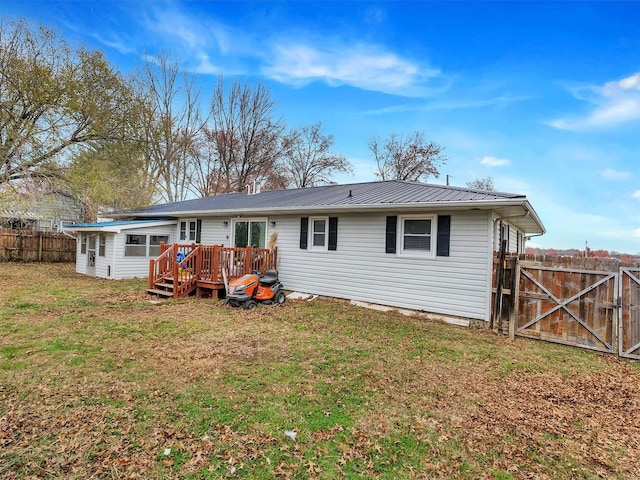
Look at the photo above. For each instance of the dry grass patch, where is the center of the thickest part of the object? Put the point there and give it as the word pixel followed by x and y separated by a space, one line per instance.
pixel 99 381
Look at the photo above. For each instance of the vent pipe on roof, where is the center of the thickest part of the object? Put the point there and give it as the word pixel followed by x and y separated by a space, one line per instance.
pixel 350 194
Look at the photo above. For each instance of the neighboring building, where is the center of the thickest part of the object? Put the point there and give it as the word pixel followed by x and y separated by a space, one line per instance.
pixel 30 209
pixel 402 244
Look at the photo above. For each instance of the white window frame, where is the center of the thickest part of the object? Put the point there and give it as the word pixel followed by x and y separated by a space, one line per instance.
pixel 312 232
pixel 83 243
pixel 102 244
pixel 431 253
pixel 188 232
pixel 154 248
pixel 145 245
pixel 249 221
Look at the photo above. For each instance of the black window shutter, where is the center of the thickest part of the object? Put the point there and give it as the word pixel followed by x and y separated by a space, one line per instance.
pixel 444 234
pixel 333 233
pixel 304 232
pixel 198 231
pixel 392 225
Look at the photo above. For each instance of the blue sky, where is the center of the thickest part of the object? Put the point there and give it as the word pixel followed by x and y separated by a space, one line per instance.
pixel 543 97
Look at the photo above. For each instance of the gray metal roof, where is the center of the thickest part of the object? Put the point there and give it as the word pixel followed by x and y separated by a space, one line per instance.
pixel 385 195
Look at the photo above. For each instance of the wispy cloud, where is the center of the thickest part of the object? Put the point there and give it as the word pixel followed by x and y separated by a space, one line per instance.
pixel 207 45
pixel 498 101
pixel 364 66
pixel 494 162
pixel 613 103
pixel 169 22
pixel 611 174
pixel 118 44
pixel 636 194
pixel 212 46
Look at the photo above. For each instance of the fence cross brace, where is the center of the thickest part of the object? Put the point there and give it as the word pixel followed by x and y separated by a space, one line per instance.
pixel 563 305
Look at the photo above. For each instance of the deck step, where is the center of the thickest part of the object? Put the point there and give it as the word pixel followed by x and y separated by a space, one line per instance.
pixel 159 292
pixel 166 286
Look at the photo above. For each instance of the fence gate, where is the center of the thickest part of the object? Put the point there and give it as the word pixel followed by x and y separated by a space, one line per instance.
pixel 571 306
pixel 629 331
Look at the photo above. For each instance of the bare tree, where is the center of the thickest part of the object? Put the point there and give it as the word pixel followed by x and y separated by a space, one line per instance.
pixel 171 122
pixel 409 158
pixel 54 102
pixel 244 140
pixel 308 160
pixel 482 184
pixel 110 176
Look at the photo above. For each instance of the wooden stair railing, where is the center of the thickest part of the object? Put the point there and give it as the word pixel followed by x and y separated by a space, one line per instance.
pixel 186 273
pixel 204 264
pixel 168 277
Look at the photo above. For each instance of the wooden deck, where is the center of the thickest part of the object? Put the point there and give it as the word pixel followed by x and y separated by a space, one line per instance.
pixel 201 271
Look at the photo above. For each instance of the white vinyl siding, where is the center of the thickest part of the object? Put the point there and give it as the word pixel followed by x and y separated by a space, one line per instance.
pixel 81 257
pixel 114 264
pixel 458 285
pixel 130 267
pixel 515 238
pixel 361 270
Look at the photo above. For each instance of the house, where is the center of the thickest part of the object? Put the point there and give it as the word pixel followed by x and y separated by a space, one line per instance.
pixel 27 207
pixel 403 244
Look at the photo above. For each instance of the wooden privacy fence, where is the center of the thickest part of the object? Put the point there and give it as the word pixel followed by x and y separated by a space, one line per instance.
pixel 36 246
pixel 583 302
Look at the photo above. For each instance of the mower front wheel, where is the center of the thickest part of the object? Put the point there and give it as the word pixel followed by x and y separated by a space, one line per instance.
pixel 280 297
pixel 250 304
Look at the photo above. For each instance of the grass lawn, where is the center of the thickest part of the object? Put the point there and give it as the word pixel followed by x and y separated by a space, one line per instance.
pixel 97 379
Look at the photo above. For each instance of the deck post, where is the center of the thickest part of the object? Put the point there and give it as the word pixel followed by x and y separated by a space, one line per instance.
pixel 176 278
pixel 198 271
pixel 152 272
pixel 247 260
pixel 215 261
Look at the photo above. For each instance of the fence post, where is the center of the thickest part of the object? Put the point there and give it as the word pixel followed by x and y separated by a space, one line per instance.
pixel 515 300
pixel 497 309
pixel 39 246
pixel 20 246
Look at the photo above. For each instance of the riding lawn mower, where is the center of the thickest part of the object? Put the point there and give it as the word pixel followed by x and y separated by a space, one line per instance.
pixel 252 288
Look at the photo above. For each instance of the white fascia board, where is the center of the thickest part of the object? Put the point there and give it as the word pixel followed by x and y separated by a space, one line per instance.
pixel 119 228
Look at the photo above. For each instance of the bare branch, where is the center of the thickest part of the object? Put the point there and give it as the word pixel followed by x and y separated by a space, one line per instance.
pixel 410 158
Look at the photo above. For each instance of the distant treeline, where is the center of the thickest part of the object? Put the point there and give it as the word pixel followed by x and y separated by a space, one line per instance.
pixel 574 252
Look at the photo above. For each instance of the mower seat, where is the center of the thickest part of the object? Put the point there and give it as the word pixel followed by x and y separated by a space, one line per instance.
pixel 270 277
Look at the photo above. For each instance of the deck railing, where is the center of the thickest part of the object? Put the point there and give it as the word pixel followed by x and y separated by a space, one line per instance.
pixel 206 263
